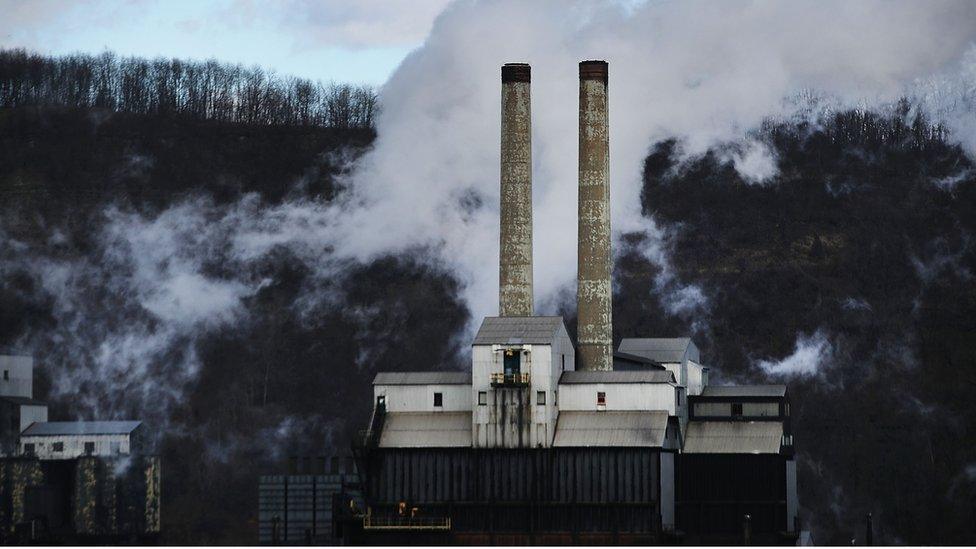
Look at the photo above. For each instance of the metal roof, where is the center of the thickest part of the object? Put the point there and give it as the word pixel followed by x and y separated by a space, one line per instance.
pixel 616 376
pixel 627 429
pixel 426 430
pixel 658 349
pixel 516 330
pixel 636 358
pixel 744 391
pixel 733 437
pixel 55 428
pixel 23 401
pixel 422 378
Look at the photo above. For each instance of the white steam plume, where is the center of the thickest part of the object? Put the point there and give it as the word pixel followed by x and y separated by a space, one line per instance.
pixel 705 72
pixel 809 357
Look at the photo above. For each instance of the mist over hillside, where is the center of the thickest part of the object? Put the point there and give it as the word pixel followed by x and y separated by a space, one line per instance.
pixel 206 275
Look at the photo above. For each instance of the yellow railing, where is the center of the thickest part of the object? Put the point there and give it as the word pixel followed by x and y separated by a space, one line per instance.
pixel 509 379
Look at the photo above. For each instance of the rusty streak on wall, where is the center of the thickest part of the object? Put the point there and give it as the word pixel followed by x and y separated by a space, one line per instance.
pixel 594 291
pixel 515 250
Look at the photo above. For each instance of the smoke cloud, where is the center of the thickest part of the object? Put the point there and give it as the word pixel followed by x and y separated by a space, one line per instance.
pixel 707 73
pixel 809 357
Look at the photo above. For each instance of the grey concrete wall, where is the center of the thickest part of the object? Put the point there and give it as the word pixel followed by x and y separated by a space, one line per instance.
pixel 594 291
pixel 515 261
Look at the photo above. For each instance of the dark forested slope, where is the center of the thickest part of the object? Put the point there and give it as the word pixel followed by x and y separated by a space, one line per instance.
pixel 856 261
pixel 854 264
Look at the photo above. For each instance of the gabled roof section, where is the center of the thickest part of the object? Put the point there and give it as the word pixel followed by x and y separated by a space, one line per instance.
pixel 603 429
pixel 517 330
pixel 733 437
pixel 616 376
pixel 637 360
pixel 733 391
pixel 426 430
pixel 422 378
pixel 659 349
pixel 60 428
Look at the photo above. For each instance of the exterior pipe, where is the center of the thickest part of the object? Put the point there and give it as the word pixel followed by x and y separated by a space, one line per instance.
pixel 594 291
pixel 515 250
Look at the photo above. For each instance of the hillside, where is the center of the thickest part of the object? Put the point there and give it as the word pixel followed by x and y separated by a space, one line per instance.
pixel 856 263
pixel 164 262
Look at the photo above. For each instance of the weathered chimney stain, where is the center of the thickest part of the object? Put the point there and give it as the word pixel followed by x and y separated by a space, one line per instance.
pixel 594 292
pixel 515 261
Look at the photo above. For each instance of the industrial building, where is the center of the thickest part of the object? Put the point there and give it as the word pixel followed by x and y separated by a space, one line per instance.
pixel 71 481
pixel 547 440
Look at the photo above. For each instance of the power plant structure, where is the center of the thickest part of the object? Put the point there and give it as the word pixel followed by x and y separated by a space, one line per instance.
pixel 71 482
pixel 550 441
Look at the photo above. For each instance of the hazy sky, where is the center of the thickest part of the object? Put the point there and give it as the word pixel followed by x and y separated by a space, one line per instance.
pixel 343 40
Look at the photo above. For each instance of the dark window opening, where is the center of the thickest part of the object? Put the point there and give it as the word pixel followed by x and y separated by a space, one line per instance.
pixel 482 398
pixel 736 409
pixel 513 362
pixel 564 363
pixel 6 375
pixel 29 449
pixel 89 448
pixel 601 399
pixel 540 397
pixel 58 447
pixel 381 401
pixel 438 400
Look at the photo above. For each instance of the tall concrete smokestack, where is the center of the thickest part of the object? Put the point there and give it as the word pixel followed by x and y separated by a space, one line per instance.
pixel 593 293
pixel 515 262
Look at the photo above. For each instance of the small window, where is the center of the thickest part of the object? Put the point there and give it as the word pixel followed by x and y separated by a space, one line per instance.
pixel 438 400
pixel 555 398
pixel 601 399
pixel 564 363
pixel 89 448
pixel 29 449
pixel 540 397
pixel 57 447
pixel 736 409
pixel 482 398
pixel 6 375
pixel 381 401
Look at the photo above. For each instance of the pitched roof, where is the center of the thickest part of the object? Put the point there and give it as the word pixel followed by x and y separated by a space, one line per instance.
pixel 658 349
pixel 616 376
pixel 733 437
pixel 422 378
pixel 621 429
pixel 516 330
pixel 426 430
pixel 54 428
pixel 744 391
pixel 636 358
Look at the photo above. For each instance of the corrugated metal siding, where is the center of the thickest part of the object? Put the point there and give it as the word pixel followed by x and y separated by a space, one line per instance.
pixel 715 491
pixel 627 376
pixel 723 409
pixel 422 378
pixel 426 430
pixel 744 391
pixel 302 505
pixel 544 477
pixel 733 437
pixel 611 429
